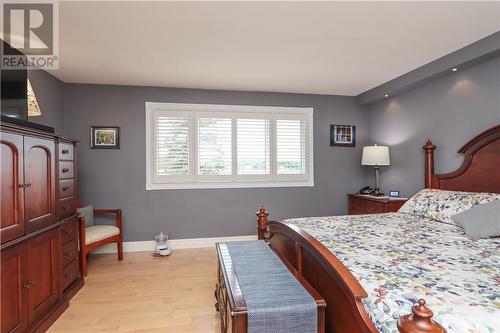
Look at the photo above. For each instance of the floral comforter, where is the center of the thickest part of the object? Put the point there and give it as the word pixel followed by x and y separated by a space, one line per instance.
pixel 399 258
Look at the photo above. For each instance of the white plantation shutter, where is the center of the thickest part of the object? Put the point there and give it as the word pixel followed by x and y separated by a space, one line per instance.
pixel 253 146
pixel 221 146
pixel 214 146
pixel 171 147
pixel 290 146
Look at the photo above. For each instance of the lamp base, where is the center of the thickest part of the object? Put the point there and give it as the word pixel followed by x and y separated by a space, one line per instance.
pixel 377 192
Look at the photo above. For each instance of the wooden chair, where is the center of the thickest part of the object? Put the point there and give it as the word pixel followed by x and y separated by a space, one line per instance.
pixel 95 236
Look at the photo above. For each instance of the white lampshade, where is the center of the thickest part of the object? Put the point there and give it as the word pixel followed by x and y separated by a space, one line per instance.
pixel 375 155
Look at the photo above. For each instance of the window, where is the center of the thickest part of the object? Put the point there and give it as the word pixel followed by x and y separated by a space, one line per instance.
pixel 227 146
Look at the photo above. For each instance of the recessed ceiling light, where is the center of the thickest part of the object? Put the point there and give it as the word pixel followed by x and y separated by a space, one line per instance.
pixel 386 95
pixel 454 69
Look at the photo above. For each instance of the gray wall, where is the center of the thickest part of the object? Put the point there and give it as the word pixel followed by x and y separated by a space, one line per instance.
pixel 116 178
pixel 49 92
pixel 449 111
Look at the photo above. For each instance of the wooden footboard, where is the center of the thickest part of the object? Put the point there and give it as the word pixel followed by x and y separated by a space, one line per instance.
pixel 311 261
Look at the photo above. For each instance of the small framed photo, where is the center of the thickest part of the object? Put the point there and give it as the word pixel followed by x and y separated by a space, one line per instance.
pixel 104 137
pixel 343 135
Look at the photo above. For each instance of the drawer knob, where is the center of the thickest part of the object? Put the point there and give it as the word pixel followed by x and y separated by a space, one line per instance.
pixel 67 231
pixel 68 275
pixel 64 170
pixel 65 188
pixel 67 206
pixel 68 253
pixel 65 151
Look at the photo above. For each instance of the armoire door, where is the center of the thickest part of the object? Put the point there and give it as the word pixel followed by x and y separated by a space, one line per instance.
pixel 14 289
pixel 43 273
pixel 39 183
pixel 11 182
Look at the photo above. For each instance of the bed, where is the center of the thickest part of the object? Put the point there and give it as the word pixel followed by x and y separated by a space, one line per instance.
pixel 372 269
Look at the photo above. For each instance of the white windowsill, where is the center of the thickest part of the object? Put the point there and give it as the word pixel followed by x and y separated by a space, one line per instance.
pixel 189 186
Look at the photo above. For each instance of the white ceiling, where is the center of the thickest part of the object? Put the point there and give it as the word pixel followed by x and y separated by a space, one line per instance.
pixel 342 48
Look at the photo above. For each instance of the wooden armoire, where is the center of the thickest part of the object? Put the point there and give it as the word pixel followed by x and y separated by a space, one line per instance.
pixel 39 265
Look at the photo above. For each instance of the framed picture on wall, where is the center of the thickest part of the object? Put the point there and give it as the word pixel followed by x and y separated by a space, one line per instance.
pixel 104 137
pixel 343 135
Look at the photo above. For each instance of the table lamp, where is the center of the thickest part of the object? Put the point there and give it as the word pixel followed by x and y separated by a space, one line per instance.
pixel 376 156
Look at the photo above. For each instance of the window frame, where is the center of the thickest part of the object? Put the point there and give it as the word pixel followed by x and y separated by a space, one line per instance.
pixel 195 181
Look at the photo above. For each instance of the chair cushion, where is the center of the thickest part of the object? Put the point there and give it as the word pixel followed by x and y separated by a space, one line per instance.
pixel 99 232
pixel 87 213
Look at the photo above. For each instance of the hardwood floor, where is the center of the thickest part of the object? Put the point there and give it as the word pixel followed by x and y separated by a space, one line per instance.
pixel 146 294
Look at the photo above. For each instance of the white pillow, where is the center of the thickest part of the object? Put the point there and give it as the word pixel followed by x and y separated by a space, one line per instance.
pixel 441 205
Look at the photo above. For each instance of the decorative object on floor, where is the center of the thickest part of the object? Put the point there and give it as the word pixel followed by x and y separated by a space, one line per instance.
pixel 104 137
pixel 94 236
pixel 161 246
pixel 343 135
pixel 33 107
pixel 376 156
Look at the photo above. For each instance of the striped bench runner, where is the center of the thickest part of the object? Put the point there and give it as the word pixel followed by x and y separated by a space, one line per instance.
pixel 284 306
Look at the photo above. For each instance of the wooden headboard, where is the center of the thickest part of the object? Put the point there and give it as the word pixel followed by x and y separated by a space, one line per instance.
pixel 480 170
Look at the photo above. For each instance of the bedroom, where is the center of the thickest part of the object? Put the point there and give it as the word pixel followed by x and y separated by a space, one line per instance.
pixel 183 118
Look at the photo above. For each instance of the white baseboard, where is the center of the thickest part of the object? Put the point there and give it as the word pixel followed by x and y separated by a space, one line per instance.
pixel 175 244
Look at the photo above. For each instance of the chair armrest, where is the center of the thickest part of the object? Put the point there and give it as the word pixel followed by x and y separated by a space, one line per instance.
pixel 118 215
pixel 106 211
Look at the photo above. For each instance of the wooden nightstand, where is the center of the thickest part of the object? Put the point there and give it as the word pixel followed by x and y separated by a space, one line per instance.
pixel 366 204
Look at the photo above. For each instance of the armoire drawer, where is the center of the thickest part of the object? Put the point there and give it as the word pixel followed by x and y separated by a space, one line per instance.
pixel 70 273
pixel 69 231
pixel 69 252
pixel 66 170
pixel 66 152
pixel 66 188
pixel 66 208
